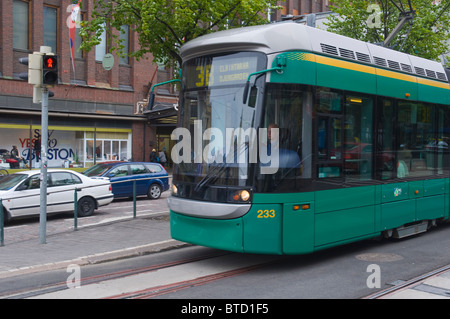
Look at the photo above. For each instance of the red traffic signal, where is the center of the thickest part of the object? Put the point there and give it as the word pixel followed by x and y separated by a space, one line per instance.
pixel 49 62
pixel 50 69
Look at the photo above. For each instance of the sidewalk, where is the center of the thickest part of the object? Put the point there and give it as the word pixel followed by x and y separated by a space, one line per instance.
pixel 89 245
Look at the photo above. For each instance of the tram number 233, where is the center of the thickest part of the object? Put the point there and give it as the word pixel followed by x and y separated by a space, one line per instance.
pixel 266 213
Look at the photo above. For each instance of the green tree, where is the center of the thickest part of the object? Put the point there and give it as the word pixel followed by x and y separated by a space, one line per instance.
pixel 163 26
pixel 372 21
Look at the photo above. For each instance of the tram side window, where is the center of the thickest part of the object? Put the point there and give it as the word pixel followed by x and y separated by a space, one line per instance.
pixel 385 147
pixel 288 108
pixel 358 132
pixel 329 134
pixel 442 144
pixel 344 135
pixel 415 140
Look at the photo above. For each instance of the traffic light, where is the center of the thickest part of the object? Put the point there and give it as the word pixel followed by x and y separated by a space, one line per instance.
pixel 50 70
pixel 34 75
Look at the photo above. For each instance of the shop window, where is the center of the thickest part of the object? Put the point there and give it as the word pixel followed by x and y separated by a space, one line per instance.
pixel 109 146
pixel 89 150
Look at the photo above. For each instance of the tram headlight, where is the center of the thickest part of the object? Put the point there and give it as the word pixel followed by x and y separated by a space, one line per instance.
pixel 245 195
pixel 241 196
pixel 174 190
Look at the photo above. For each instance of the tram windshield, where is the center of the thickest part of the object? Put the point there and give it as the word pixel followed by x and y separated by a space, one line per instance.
pixel 216 126
pixel 225 143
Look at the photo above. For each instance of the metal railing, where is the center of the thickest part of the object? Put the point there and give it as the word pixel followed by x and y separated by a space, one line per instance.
pixel 75 197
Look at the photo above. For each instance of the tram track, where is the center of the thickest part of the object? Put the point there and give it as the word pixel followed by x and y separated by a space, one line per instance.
pixel 409 284
pixel 90 280
pixel 229 267
pixel 170 288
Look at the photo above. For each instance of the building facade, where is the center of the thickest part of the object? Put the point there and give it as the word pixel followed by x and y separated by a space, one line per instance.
pixel 299 7
pixel 99 111
pixel 96 113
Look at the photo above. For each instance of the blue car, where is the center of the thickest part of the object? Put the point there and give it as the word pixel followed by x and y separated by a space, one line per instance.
pixel 151 178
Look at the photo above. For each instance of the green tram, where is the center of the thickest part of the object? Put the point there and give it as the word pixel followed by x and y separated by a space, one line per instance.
pixel 363 141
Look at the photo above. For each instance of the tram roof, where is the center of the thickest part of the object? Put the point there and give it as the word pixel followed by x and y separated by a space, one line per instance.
pixel 290 36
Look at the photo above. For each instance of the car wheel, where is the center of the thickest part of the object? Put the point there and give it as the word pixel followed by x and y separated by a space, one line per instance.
pixel 86 207
pixel 154 191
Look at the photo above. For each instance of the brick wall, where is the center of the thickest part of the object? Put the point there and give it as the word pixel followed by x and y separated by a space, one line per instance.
pixel 300 7
pixel 136 75
pixel 90 83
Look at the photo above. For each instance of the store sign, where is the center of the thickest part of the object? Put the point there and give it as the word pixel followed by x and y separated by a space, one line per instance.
pixel 55 152
pixel 60 144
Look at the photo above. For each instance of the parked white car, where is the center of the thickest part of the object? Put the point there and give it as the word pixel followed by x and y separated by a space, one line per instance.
pixel 20 193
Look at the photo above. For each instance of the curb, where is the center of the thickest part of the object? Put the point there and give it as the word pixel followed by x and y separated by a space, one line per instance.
pixel 98 258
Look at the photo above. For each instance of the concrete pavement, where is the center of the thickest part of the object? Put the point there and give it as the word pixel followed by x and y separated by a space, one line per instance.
pixel 89 245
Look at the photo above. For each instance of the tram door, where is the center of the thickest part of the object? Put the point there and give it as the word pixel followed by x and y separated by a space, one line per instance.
pixel 299 217
pixel 329 142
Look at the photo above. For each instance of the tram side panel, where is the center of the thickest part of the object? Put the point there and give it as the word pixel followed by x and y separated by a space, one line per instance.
pixel 302 223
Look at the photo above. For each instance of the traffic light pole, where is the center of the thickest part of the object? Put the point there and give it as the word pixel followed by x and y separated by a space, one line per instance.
pixel 44 162
pixel 42 72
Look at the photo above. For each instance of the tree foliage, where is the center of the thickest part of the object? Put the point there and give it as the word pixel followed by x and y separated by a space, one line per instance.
pixel 428 37
pixel 163 26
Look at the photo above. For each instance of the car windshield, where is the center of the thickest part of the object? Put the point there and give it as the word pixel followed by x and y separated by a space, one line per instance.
pixel 9 181
pixel 97 170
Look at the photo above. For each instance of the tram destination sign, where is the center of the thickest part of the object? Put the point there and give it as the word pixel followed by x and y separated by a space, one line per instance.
pixel 220 70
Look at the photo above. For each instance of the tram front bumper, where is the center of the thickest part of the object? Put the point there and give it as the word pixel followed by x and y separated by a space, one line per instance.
pixel 256 231
pixel 226 234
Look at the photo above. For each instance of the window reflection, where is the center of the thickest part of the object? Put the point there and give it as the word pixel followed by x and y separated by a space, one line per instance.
pixel 415 140
pixel 358 137
pixel 385 148
pixel 288 108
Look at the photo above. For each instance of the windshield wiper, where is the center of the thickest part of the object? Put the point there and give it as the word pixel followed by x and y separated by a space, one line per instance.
pixel 214 174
